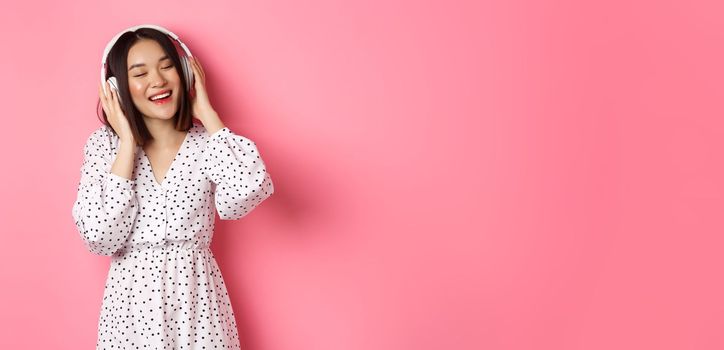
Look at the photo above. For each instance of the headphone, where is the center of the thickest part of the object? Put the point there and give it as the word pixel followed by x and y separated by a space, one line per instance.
pixel 185 64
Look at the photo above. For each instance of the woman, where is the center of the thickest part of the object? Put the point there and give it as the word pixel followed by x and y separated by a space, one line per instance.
pixel 151 180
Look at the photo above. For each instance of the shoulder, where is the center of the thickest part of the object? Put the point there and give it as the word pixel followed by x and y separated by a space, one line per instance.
pixel 100 140
pixel 102 132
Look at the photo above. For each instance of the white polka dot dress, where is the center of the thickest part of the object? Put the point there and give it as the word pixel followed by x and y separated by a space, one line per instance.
pixel 164 289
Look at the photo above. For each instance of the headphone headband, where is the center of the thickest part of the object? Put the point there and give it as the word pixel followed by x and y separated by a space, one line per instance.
pixel 134 28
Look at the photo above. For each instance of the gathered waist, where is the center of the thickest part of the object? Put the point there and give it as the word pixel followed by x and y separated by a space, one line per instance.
pixel 161 247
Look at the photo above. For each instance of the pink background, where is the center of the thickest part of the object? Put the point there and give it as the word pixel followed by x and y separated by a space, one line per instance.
pixel 470 175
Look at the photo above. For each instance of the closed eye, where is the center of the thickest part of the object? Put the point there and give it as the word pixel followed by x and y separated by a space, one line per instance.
pixel 140 75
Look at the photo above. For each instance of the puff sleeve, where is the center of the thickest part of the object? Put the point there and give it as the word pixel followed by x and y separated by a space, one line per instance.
pixel 106 205
pixel 232 162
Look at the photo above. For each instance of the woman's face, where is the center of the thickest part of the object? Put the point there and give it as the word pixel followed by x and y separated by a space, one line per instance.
pixel 152 73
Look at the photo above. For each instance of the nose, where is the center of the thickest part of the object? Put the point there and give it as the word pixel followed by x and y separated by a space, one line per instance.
pixel 158 80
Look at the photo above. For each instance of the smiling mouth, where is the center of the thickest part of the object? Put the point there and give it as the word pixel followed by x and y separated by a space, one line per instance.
pixel 161 98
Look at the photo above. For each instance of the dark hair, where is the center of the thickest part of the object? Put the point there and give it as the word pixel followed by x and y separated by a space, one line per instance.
pixel 116 64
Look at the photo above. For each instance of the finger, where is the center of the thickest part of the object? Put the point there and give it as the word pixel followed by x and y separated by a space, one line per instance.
pixel 107 93
pixel 198 77
pixel 198 65
pixel 195 67
pixel 117 101
pixel 104 102
pixel 101 94
pixel 198 68
pixel 100 98
pixel 114 100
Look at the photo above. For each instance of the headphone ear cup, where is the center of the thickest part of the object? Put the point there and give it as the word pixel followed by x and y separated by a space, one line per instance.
pixel 188 73
pixel 113 82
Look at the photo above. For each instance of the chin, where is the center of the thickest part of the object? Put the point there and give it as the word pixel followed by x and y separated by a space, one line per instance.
pixel 158 113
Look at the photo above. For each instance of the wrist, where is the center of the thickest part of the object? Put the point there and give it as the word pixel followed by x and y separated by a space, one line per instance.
pixel 212 122
pixel 127 145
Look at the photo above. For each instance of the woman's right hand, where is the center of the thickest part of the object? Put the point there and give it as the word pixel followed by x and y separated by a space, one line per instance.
pixel 115 114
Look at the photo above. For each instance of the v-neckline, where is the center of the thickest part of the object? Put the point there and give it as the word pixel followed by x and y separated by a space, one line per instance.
pixel 171 166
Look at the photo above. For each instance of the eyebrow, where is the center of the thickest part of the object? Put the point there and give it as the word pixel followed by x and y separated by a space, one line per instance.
pixel 143 64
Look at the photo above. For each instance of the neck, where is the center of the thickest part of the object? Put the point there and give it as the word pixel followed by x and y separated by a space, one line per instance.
pixel 163 132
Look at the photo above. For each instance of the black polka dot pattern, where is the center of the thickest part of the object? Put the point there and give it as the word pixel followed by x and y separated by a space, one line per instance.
pixel 164 289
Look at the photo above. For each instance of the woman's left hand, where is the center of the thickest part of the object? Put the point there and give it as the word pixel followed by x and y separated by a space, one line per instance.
pixel 200 105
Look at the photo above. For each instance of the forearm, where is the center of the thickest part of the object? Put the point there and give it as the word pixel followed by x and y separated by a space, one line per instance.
pixel 124 163
pixel 234 164
pixel 211 121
